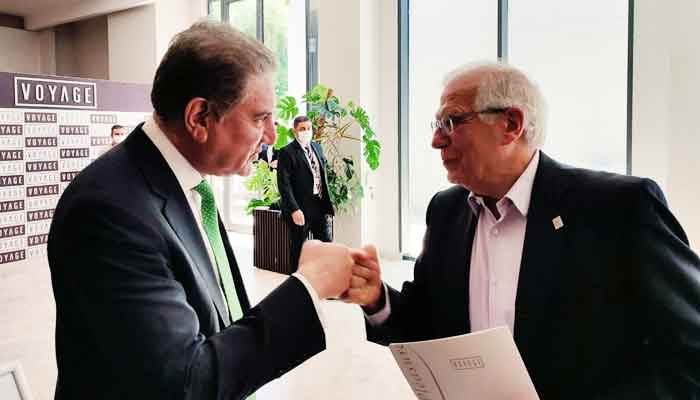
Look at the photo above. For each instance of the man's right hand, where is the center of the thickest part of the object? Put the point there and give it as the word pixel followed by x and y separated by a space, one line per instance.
pixel 366 287
pixel 327 267
pixel 298 217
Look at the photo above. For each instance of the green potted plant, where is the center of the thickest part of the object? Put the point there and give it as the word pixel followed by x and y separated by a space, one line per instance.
pixel 332 123
pixel 263 183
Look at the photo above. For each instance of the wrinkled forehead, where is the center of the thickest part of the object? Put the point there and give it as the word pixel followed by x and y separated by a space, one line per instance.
pixel 457 97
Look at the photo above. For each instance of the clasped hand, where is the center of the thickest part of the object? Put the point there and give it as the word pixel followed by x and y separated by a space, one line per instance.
pixel 335 271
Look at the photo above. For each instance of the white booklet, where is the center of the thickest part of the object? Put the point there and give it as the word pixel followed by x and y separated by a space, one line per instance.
pixel 484 365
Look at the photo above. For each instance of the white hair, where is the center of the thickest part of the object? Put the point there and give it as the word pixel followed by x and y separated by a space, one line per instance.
pixel 504 86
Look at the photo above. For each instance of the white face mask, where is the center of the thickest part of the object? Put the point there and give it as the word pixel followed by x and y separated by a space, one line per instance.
pixel 304 137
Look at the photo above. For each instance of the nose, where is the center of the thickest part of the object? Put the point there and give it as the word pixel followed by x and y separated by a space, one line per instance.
pixel 439 141
pixel 269 132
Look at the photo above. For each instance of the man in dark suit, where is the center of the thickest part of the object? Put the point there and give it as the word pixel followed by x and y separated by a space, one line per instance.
pixel 301 179
pixel 150 303
pixel 268 153
pixel 589 270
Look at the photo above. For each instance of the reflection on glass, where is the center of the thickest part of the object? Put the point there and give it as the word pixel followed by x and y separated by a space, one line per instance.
pixel 284 32
pixel 276 15
pixel 577 52
pixel 242 15
pixel 466 32
pixel 215 9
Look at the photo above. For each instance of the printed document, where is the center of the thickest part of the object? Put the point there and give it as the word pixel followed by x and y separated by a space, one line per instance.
pixel 484 365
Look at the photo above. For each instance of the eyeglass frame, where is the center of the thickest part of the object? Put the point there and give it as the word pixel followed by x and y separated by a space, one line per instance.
pixel 455 120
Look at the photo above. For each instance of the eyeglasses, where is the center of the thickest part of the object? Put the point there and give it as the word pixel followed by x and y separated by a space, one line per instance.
pixel 447 125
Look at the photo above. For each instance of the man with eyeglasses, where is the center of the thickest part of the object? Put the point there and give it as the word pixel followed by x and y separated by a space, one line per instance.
pixel 589 270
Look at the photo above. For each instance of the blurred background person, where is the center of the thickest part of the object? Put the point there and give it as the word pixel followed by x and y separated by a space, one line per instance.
pixel 268 153
pixel 118 134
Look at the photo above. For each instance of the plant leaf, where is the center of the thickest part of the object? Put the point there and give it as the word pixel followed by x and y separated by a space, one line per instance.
pixel 284 136
pixel 371 152
pixel 287 108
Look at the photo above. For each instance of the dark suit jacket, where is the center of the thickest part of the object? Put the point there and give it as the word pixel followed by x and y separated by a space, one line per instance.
pixel 139 312
pixel 262 155
pixel 607 307
pixel 295 179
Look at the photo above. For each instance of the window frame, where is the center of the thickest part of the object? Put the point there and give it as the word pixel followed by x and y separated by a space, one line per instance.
pixel 502 22
pixel 311 48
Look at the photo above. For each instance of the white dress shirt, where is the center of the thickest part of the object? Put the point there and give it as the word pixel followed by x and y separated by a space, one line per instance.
pixel 189 178
pixel 315 168
pixel 497 251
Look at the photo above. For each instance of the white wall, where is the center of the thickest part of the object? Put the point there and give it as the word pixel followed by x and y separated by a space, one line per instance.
pixel 139 37
pixel 173 16
pixel 28 52
pixel 358 59
pixel 339 58
pixel 380 91
pixel 81 49
pixel 665 134
pixel 132 44
pixel 54 13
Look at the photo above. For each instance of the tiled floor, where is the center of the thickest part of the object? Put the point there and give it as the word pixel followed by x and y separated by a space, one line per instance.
pixel 350 367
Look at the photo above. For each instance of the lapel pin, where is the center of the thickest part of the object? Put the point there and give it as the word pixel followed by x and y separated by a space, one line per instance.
pixel 558 223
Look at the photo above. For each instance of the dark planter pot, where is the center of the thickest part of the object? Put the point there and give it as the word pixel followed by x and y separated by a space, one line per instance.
pixel 271 241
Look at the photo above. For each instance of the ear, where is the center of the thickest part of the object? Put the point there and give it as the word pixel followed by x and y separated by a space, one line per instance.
pixel 196 118
pixel 513 123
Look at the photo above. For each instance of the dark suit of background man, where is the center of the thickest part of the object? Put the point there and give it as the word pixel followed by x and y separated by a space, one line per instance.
pixel 149 299
pixel 301 178
pixel 589 270
pixel 268 153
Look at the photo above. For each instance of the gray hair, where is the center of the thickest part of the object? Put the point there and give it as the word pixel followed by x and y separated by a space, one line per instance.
pixel 505 86
pixel 211 60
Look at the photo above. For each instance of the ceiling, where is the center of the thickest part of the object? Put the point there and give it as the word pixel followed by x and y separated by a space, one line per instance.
pixel 25 8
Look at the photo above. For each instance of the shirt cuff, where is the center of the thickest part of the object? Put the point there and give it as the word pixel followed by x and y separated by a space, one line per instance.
pixel 314 298
pixel 382 315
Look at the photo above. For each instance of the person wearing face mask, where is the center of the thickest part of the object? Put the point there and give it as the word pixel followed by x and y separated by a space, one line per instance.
pixel 301 178
pixel 118 134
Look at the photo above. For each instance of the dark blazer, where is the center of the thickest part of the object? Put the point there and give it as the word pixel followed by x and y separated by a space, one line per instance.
pixel 607 307
pixel 262 155
pixel 295 179
pixel 139 312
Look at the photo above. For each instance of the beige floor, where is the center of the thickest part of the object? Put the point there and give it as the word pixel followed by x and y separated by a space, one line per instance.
pixel 351 367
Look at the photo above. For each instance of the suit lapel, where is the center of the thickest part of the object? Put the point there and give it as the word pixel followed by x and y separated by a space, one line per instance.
pixel 542 252
pixel 458 271
pixel 321 164
pixel 235 272
pixel 178 213
pixel 301 156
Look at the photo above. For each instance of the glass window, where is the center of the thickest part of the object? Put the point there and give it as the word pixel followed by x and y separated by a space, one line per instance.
pixel 276 14
pixel 577 52
pixel 283 31
pixel 242 15
pixel 215 9
pixel 443 34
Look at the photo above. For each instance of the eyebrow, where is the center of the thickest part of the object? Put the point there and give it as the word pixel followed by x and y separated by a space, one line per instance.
pixel 263 114
pixel 449 109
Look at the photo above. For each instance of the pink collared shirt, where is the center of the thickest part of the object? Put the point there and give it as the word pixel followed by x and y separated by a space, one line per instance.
pixel 497 252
